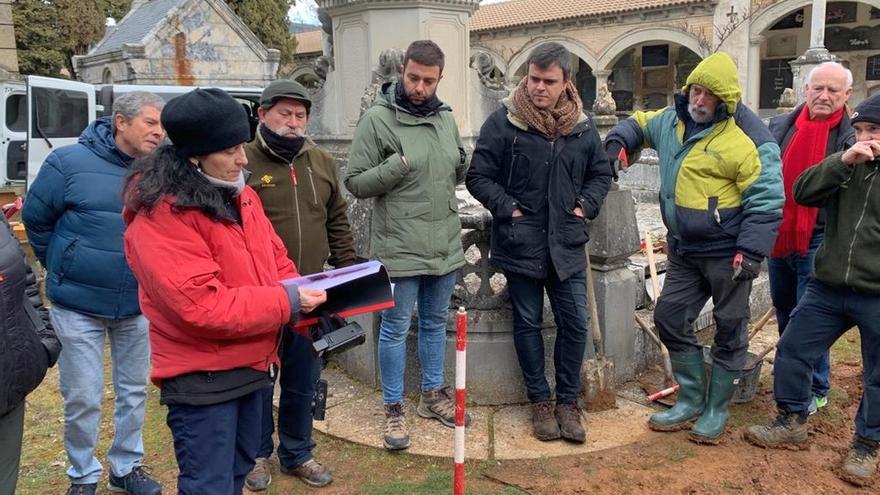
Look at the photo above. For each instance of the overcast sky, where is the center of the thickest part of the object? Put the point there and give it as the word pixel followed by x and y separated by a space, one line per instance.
pixel 304 11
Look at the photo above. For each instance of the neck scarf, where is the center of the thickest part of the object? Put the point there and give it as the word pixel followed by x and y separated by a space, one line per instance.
pixel 427 108
pixel 806 148
pixel 284 147
pixel 558 121
pixel 235 187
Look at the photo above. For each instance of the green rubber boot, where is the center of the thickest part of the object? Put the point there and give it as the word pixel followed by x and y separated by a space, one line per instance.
pixel 710 426
pixel 687 367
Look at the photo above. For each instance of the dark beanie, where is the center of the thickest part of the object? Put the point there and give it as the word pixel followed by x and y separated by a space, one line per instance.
pixel 204 121
pixel 867 111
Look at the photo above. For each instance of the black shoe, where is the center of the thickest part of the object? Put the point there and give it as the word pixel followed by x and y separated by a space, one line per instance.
pixel 137 482
pixel 87 489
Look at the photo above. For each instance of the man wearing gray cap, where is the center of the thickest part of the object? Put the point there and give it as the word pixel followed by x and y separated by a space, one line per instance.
pixel 297 184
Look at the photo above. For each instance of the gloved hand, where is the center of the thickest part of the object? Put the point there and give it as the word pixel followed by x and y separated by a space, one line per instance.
pixel 745 268
pixel 617 157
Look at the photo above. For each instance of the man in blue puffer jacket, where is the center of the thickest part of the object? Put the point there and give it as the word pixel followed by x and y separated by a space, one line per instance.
pixel 73 217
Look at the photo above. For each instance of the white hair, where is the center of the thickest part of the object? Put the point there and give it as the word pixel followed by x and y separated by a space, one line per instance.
pixel 849 76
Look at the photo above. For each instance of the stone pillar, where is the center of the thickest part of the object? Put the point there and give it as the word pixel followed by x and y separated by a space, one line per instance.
pixel 614 237
pixel 362 29
pixel 8 53
pixel 816 54
pixel 602 76
pixel 753 81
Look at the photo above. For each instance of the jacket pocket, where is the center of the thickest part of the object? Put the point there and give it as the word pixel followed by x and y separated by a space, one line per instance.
pixel 518 173
pixel 577 231
pixel 409 228
pixel 700 225
pixel 68 257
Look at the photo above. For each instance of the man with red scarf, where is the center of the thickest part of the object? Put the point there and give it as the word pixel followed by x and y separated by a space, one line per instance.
pixel 814 130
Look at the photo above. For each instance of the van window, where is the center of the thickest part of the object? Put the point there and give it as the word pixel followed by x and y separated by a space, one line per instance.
pixel 16 113
pixel 59 112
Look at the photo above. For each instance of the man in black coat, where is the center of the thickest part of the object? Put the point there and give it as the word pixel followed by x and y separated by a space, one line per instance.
pixel 28 346
pixel 540 168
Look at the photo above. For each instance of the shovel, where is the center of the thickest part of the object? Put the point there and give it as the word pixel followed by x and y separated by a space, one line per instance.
pixel 597 373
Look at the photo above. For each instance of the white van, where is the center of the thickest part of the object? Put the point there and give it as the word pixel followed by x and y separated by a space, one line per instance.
pixel 59 110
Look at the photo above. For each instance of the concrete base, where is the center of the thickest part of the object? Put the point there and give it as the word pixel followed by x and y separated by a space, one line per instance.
pixel 355 413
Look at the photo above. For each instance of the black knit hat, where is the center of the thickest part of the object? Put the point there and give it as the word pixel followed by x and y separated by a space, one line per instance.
pixel 867 111
pixel 204 121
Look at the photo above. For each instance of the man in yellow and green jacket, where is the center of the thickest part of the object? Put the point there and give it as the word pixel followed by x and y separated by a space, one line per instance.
pixel 721 199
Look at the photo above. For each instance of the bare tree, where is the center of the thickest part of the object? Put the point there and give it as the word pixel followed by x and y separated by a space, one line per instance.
pixel 711 42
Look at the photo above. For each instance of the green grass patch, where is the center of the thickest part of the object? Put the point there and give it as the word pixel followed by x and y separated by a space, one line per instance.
pixel 848 347
pixel 437 483
pixel 681 453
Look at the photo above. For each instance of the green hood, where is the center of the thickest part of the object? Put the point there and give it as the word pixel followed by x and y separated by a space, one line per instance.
pixel 718 73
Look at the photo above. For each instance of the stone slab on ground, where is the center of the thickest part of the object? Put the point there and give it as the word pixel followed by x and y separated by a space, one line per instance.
pixel 355 413
pixel 513 431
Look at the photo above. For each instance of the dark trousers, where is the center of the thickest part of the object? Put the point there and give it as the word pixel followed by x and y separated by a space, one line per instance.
pixel 821 317
pixel 689 283
pixel 300 369
pixel 568 298
pixel 216 445
pixel 788 282
pixel 11 430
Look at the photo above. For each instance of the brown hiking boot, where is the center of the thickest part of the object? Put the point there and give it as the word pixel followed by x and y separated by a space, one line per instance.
pixel 439 404
pixel 311 473
pixel 544 423
pixel 396 433
pixel 860 462
pixel 260 476
pixel 569 418
pixel 787 431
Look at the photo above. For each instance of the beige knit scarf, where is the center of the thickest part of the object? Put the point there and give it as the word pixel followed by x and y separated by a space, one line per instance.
pixel 558 121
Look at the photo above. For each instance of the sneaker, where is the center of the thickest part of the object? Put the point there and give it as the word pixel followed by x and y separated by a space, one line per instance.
pixel 544 424
pixel 816 404
pixel 439 404
pixel 396 433
pixel 860 462
pixel 787 431
pixel 87 489
pixel 137 482
pixel 311 473
pixel 569 418
pixel 260 476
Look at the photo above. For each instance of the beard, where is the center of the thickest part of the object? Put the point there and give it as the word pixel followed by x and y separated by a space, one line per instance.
pixel 699 113
pixel 289 132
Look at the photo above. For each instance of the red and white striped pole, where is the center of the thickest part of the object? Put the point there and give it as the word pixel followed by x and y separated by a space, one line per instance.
pixel 460 396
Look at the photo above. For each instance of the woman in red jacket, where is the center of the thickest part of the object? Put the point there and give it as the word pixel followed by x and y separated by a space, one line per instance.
pixel 208 264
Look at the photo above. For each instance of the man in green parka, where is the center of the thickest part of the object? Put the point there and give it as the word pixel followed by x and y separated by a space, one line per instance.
pixel 407 154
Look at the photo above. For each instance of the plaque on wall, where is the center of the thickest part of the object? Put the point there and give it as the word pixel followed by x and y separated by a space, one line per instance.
pixel 782 45
pixel 791 21
pixel 843 39
pixel 775 76
pixel 872 68
pixel 841 12
pixel 655 55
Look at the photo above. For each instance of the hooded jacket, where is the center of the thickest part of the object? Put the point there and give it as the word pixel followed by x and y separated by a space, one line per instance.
pixel 850 195
pixel 516 167
pixel 415 225
pixel 720 188
pixel 73 217
pixel 305 204
pixel 25 351
pixel 209 287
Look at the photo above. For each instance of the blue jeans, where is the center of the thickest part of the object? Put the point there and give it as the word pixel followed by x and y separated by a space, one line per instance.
pixel 568 298
pixel 788 282
pixel 432 294
pixel 300 369
pixel 821 317
pixel 81 368
pixel 216 445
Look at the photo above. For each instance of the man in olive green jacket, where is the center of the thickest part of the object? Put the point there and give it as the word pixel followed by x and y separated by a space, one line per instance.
pixel 407 154
pixel 297 184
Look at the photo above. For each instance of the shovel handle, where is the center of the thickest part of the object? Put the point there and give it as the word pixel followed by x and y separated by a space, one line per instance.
pixel 595 332
pixel 761 355
pixel 667 360
pixel 763 321
pixel 652 266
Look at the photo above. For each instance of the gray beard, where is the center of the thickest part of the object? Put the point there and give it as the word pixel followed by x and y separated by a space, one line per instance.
pixel 700 117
